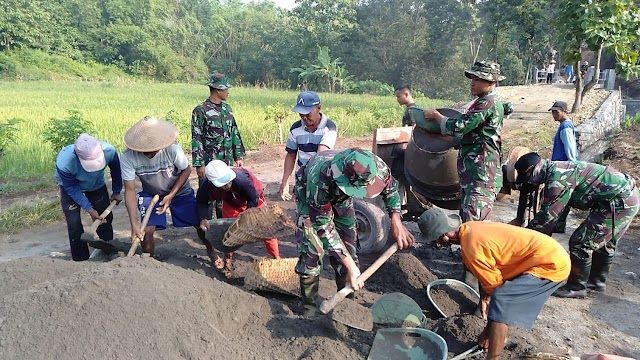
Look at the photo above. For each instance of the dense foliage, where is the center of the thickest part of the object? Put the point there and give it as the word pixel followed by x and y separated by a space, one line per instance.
pixel 328 45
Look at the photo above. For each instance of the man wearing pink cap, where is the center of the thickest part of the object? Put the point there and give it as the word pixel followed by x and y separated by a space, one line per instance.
pixel 80 176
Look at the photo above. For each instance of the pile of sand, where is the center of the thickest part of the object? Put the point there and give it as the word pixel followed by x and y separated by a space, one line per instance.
pixel 139 307
pixel 142 308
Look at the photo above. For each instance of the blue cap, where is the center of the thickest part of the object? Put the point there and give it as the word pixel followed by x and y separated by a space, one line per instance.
pixel 306 101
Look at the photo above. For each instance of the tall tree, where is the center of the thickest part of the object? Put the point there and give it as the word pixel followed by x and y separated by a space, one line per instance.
pixel 600 24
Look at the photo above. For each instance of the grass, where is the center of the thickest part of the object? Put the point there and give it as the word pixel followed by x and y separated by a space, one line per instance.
pixel 113 107
pixel 19 217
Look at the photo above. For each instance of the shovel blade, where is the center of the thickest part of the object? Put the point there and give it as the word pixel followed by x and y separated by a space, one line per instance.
pixel 353 315
pixel 109 247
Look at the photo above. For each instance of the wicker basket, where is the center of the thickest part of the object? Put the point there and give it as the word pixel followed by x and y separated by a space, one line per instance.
pixel 273 275
pixel 259 224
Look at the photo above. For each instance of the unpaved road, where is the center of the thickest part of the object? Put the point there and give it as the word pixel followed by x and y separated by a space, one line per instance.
pixel 608 322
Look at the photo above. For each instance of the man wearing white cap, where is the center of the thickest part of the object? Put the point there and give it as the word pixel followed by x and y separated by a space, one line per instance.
pixel 238 189
pixel 80 177
pixel 153 155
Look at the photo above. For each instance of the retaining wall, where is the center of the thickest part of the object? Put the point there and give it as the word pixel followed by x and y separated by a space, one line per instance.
pixel 593 134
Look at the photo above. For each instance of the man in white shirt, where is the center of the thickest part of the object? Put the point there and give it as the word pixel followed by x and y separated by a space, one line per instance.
pixel 314 132
pixel 163 169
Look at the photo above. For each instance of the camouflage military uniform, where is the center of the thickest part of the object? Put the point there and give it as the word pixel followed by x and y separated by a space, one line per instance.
pixel 479 158
pixel 215 134
pixel 407 118
pixel 331 212
pixel 480 154
pixel 610 196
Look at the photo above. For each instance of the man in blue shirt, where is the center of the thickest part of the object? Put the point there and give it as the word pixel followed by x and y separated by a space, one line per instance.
pixel 565 147
pixel 80 176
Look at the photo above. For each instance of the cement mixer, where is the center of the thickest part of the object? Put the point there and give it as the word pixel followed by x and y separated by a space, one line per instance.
pixel 425 164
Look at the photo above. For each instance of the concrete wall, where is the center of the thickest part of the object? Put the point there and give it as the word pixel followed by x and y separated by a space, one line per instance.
pixel 633 107
pixel 593 134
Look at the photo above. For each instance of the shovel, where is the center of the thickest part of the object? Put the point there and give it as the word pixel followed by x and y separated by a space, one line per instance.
pixel 105 213
pixel 350 313
pixel 145 220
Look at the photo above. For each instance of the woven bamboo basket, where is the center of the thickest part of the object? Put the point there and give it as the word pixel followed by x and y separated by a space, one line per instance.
pixel 273 275
pixel 258 224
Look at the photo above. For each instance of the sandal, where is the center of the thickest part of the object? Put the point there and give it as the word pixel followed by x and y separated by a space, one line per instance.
pixel 218 263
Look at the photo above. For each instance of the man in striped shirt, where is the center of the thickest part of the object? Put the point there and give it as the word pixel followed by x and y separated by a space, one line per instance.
pixel 314 132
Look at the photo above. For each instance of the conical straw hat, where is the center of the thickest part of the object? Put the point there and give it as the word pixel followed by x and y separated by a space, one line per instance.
pixel 150 134
pixel 274 275
pixel 258 224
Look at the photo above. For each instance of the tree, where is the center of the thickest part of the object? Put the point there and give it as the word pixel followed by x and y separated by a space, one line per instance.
pixel 599 25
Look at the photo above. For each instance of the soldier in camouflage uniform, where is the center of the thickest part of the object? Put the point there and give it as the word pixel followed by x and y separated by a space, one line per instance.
pixel 479 158
pixel 214 132
pixel 325 187
pixel 611 198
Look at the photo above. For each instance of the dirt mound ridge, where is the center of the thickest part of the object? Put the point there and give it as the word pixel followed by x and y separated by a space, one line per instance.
pixel 139 307
pixel 403 273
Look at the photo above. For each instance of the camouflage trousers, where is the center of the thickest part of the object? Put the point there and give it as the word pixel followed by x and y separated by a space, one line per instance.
pixel 312 249
pixel 479 181
pixel 605 225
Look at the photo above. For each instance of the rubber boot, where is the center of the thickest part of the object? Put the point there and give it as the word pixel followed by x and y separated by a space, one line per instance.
pixel 576 286
pixel 309 290
pixel 341 282
pixel 599 271
pixel 561 224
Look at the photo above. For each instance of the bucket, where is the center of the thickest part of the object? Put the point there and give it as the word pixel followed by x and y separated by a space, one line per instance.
pixel 408 343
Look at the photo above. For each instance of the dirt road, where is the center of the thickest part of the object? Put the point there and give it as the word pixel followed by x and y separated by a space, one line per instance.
pixel 201 311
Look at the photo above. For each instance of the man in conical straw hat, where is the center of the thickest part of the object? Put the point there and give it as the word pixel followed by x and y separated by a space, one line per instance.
pixel 238 189
pixel 325 187
pixel 153 156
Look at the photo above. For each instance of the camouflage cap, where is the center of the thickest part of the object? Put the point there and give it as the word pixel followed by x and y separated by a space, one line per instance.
pixel 359 173
pixel 485 70
pixel 434 222
pixel 219 81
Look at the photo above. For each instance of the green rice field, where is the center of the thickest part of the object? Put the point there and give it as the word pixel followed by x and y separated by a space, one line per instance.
pixel 112 107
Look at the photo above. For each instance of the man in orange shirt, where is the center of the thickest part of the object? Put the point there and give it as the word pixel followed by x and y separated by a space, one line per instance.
pixel 518 269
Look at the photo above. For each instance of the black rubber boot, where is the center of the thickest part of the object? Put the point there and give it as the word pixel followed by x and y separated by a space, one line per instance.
pixel 599 271
pixel 309 290
pixel 576 286
pixel 561 224
pixel 341 282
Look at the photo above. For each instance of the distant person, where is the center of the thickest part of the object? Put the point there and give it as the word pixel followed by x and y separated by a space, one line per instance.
pixel 568 73
pixel 565 146
pixel 313 133
pixel 517 268
pixel 214 131
pixel 160 164
pixel 550 71
pixel 325 189
pixel 480 154
pixel 238 189
pixel 80 177
pixel 405 98
pixel 611 198
pixel 583 69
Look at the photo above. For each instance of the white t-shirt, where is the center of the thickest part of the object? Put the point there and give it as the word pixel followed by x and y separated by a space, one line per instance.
pixel 551 68
pixel 158 174
pixel 306 143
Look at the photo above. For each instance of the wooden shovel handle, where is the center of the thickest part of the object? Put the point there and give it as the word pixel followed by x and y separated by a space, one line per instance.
pixel 104 214
pixel 331 302
pixel 145 220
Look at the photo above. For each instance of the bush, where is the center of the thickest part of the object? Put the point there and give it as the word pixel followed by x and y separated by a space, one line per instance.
pixel 371 87
pixel 62 132
pixel 8 132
